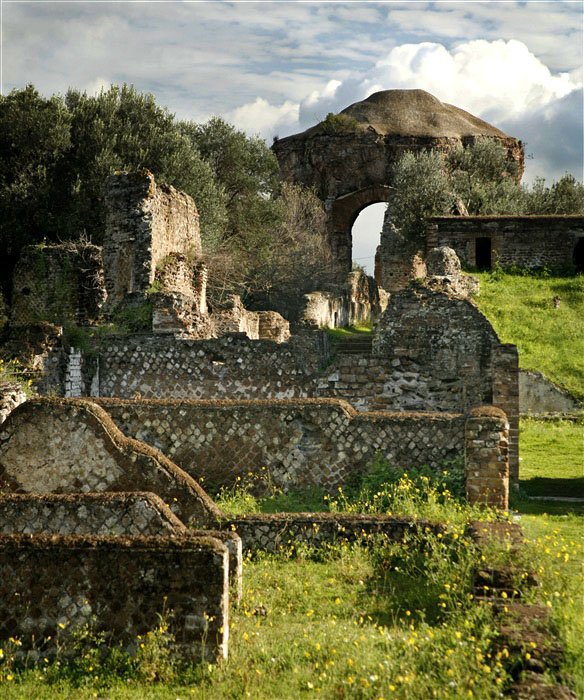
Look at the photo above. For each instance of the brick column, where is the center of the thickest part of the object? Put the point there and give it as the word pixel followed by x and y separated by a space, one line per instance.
pixel 486 457
pixel 506 397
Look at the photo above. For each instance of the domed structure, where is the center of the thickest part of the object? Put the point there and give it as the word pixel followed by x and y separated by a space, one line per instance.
pixel 348 157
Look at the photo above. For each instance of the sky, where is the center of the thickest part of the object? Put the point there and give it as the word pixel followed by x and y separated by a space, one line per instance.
pixel 276 68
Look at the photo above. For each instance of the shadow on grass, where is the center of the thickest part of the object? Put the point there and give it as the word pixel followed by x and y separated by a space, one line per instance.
pixel 544 486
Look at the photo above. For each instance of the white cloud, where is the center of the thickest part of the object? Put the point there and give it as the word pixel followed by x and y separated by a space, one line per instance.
pixel 497 80
pixel 260 117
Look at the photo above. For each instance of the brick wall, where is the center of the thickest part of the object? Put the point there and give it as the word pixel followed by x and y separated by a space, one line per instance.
pixel 52 584
pixel 530 241
pixel 487 457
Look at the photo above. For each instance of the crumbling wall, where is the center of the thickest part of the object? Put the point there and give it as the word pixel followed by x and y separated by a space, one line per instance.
pixel 299 442
pixel 487 457
pixel 50 585
pixel 11 396
pixel 71 445
pixel 58 283
pixel 356 301
pixel 145 224
pixel 441 345
pixel 529 241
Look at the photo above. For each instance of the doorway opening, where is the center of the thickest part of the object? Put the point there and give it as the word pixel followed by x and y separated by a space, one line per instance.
pixel 578 255
pixel 483 253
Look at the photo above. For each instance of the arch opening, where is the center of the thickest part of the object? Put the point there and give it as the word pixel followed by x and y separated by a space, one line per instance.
pixel 366 236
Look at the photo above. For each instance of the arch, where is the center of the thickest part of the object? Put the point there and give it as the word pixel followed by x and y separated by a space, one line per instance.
pixel 345 210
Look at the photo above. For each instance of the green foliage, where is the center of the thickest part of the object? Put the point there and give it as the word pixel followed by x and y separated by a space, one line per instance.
pixel 479 178
pixel 484 179
pixel 422 189
pixel 566 196
pixel 133 319
pixel 13 372
pixel 334 124
pixel 518 303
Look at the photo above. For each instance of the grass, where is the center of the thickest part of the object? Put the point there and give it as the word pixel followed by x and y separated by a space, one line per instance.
pixel 350 332
pixel 549 340
pixel 389 621
pixel 552 458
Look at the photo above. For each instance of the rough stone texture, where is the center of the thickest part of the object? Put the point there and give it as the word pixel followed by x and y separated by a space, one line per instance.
pixel 486 463
pixel 308 442
pixel 441 345
pixel 350 166
pixel 280 531
pixel 72 445
pixel 52 584
pixel 399 260
pixel 538 395
pixel 529 241
pixel 233 317
pixel 232 366
pixel 88 514
pixel 107 514
pixel 443 267
pixel 343 305
pixel 145 224
pixel 58 283
pixel 11 396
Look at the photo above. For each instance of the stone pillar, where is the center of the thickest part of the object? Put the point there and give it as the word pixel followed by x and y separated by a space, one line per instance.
pixel 486 457
pixel 506 396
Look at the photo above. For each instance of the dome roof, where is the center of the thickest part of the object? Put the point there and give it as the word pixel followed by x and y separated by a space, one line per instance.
pixel 412 113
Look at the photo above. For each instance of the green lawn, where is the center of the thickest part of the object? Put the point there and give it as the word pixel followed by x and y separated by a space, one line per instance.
pixel 548 340
pixel 552 458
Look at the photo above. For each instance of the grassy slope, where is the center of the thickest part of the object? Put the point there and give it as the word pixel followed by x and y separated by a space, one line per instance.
pixel 548 340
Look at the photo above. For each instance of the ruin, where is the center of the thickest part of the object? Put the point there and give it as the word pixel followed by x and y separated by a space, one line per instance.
pixel 348 159
pixel 109 476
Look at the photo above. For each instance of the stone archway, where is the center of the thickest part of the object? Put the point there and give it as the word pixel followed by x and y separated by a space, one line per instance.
pixel 348 160
pixel 345 211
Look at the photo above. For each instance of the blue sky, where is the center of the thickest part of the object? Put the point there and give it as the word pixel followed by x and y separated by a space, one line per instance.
pixel 277 68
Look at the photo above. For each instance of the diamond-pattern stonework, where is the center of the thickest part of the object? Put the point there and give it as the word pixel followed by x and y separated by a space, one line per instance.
pixel 72 445
pixel 300 442
pixel 52 584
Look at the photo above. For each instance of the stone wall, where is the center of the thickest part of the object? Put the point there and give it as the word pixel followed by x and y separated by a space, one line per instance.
pixel 538 395
pixel 355 302
pixel 58 283
pixel 52 584
pixel 11 396
pixel 487 457
pixel 88 514
pixel 529 241
pixel 299 442
pixel 145 224
pixel 282 531
pixel 69 445
pixel 123 514
pixel 232 366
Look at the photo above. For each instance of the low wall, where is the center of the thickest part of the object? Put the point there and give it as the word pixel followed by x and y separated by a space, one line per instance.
pixel 280 531
pixel 88 514
pixel 530 241
pixel 52 584
pixel 300 442
pixel 72 445
pixel 138 513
